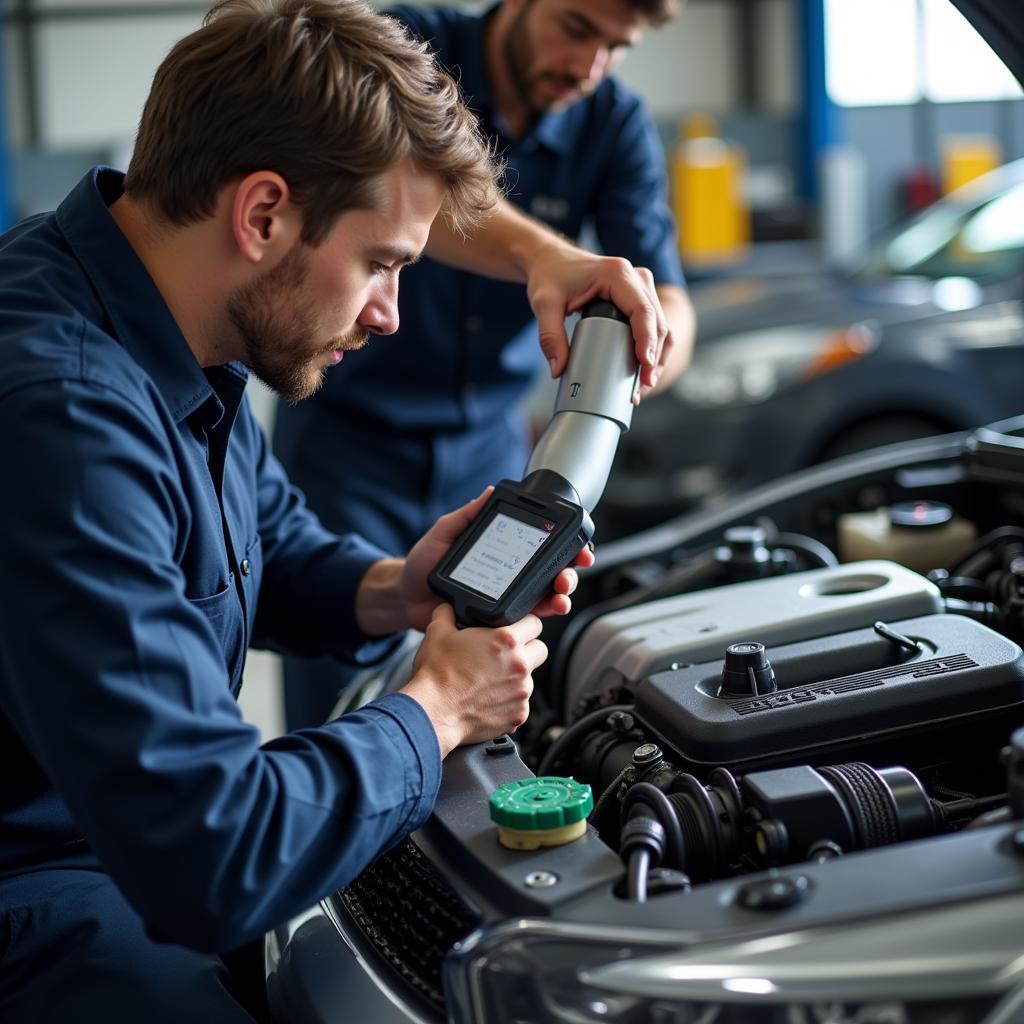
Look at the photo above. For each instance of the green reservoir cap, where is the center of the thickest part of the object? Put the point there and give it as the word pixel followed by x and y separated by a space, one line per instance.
pixel 549 801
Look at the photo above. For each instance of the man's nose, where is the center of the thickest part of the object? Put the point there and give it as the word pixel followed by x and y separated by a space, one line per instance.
pixel 380 314
pixel 591 64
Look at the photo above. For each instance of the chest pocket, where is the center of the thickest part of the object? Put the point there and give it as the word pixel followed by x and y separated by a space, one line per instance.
pixel 224 614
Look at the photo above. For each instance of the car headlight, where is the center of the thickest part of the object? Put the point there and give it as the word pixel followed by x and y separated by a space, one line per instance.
pixel 531 971
pixel 751 367
pixel 916 968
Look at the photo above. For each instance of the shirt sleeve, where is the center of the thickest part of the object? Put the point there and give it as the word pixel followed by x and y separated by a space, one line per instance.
pixel 632 215
pixel 310 575
pixel 115 682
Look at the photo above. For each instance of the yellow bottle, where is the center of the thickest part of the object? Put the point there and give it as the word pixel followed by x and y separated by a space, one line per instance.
pixel 966 157
pixel 707 190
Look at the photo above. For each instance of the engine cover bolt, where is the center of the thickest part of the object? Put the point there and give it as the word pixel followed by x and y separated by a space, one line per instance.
pixel 620 721
pixel 541 879
pixel 646 753
pixel 776 893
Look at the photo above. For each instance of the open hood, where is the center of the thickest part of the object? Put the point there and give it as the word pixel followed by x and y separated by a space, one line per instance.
pixel 1001 23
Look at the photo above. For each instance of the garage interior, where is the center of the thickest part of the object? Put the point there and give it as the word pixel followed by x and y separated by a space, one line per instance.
pixel 834 186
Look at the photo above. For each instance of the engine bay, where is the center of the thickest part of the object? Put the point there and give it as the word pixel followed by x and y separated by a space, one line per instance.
pixel 765 699
pixel 792 726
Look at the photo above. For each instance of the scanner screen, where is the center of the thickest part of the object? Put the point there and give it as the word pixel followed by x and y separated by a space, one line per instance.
pixel 499 555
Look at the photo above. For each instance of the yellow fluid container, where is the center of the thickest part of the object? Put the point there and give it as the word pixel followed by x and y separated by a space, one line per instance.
pixel 966 157
pixel 922 535
pixel 707 191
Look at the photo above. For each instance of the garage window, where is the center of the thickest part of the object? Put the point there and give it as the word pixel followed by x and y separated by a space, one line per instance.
pixel 888 52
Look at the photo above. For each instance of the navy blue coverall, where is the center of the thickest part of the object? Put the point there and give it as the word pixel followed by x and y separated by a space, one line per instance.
pixel 147 538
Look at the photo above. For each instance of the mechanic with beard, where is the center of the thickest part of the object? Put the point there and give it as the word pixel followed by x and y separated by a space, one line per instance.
pixel 430 430
pixel 291 159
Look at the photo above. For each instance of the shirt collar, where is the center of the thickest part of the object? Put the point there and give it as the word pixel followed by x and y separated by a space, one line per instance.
pixel 471 72
pixel 552 129
pixel 140 318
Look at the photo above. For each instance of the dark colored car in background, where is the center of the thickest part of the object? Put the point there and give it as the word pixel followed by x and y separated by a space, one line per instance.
pixel 924 338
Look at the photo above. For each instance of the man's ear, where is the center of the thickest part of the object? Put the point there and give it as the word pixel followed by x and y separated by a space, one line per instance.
pixel 265 223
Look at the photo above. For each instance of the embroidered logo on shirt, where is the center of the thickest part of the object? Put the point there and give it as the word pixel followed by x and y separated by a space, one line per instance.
pixel 549 208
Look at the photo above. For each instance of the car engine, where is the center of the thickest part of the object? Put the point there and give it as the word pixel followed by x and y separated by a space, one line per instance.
pixel 799 715
pixel 846 711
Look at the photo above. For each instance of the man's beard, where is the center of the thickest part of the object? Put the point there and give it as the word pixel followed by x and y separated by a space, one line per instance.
pixel 276 323
pixel 518 52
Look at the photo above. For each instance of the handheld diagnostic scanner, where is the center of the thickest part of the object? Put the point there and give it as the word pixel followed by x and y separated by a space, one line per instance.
pixel 530 529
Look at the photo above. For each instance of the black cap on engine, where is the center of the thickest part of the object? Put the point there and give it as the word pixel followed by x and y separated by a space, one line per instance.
pixel 746 671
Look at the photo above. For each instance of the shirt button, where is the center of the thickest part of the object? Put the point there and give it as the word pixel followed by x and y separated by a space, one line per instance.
pixel 246 567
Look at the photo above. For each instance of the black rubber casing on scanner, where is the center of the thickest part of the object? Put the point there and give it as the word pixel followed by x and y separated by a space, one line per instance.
pixel 853 690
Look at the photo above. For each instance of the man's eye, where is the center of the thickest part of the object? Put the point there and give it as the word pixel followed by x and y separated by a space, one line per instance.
pixel 574 31
pixel 380 268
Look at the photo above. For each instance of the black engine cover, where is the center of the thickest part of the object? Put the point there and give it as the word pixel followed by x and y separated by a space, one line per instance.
pixel 853 691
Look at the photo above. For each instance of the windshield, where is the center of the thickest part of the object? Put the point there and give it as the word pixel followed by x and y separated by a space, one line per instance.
pixel 984 242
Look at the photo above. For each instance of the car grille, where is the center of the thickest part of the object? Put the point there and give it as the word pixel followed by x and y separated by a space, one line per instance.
pixel 410 916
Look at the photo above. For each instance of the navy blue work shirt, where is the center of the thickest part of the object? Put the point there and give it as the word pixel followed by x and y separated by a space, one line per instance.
pixel 467 349
pixel 147 537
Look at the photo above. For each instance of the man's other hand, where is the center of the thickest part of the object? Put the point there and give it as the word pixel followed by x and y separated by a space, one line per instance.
pixel 563 279
pixel 475 683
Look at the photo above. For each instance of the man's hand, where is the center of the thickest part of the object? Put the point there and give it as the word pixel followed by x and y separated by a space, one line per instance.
pixel 393 594
pixel 562 279
pixel 420 600
pixel 475 683
pixel 678 347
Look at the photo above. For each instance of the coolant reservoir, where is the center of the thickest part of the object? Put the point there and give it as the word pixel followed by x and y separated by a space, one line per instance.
pixel 545 811
pixel 922 535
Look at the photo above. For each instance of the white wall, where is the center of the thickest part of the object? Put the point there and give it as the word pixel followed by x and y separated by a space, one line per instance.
pixel 94 75
pixel 692 63
pixel 777 85
pixel 688 63
pixel 14 101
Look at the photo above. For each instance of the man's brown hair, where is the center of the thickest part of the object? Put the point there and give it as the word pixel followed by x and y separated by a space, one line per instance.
pixel 327 93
